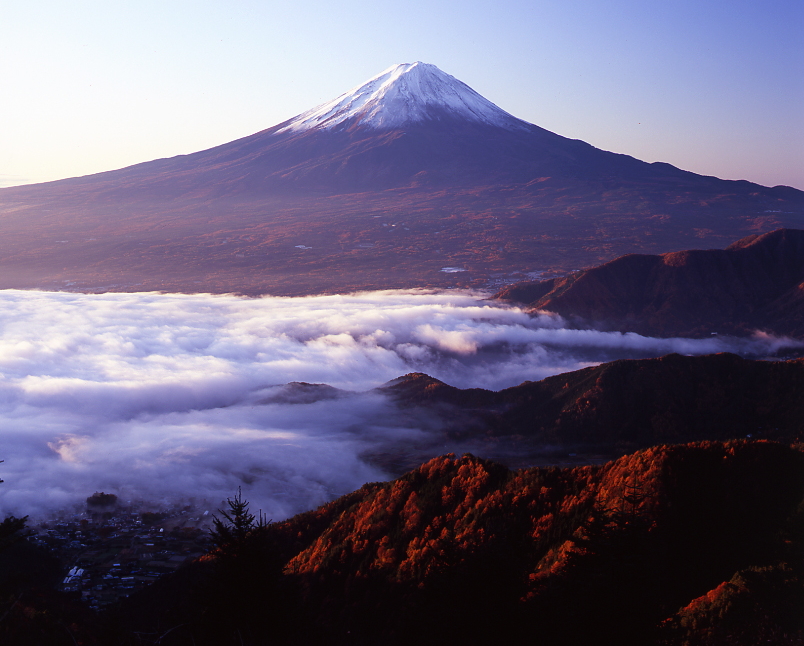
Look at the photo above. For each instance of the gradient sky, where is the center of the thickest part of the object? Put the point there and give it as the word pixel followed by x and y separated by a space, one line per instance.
pixel 714 87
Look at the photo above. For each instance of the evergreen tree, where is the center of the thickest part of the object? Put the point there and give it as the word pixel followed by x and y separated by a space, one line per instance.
pixel 237 522
pixel 11 529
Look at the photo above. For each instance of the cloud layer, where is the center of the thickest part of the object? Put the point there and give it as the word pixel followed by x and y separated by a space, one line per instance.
pixel 162 397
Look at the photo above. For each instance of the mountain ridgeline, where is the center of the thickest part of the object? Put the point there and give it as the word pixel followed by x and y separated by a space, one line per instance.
pixel 382 187
pixel 652 538
pixel 619 406
pixel 584 416
pixel 689 544
pixel 412 125
pixel 757 283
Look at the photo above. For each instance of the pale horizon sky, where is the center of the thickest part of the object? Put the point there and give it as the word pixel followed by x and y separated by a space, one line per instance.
pixel 713 87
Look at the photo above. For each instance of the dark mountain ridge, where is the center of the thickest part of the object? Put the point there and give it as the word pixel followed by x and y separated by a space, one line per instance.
pixel 616 407
pixel 583 416
pixel 677 544
pixel 757 283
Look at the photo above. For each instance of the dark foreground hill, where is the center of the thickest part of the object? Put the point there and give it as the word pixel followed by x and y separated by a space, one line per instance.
pixel 611 409
pixel 697 544
pixel 757 283
pixel 591 414
pixel 689 544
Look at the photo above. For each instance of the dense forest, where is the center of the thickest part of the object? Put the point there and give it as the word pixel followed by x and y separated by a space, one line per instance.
pixel 694 544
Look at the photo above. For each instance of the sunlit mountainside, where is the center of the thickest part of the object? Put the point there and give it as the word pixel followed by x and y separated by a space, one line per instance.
pixel 685 544
pixel 691 544
pixel 385 186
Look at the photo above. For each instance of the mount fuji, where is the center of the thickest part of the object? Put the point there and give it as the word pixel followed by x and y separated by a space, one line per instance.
pixel 410 179
pixel 411 125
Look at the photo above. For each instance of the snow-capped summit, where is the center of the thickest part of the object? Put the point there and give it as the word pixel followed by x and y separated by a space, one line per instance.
pixel 403 94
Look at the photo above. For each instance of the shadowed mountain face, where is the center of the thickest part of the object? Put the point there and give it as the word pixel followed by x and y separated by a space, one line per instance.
pixel 382 187
pixel 613 408
pixel 581 417
pixel 757 283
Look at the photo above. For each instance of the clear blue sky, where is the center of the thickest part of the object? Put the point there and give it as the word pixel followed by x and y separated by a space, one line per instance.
pixel 714 87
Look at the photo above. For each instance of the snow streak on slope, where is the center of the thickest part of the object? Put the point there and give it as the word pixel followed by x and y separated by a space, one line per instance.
pixel 403 94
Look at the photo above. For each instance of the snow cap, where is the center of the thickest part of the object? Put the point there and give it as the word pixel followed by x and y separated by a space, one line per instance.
pixel 402 94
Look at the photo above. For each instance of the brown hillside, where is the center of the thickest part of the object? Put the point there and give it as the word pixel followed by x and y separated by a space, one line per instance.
pixel 462 550
pixel 756 283
pixel 335 210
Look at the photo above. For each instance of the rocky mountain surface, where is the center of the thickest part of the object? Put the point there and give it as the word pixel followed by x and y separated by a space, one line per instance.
pixel 386 186
pixel 757 283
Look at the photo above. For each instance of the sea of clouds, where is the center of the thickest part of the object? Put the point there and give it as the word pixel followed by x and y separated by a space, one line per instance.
pixel 169 397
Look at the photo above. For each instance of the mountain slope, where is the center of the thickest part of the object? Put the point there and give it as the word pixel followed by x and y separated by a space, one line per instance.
pixel 756 283
pixel 603 555
pixel 612 408
pixel 584 416
pixel 410 125
pixel 389 141
pixel 382 187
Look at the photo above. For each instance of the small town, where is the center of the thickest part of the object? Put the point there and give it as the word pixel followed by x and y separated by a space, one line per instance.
pixel 112 550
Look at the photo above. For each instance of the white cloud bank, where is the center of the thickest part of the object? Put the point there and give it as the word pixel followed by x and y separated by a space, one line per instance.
pixel 161 396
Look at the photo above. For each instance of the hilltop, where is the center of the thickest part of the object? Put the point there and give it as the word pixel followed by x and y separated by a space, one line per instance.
pixel 756 283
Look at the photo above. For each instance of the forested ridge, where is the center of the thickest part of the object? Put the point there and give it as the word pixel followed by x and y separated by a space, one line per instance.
pixel 677 544
pixel 753 284
pixel 619 406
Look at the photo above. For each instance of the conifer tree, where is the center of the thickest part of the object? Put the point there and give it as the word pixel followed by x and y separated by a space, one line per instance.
pixel 11 529
pixel 237 522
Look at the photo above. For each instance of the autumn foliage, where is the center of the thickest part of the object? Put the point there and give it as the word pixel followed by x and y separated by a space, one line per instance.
pixel 649 549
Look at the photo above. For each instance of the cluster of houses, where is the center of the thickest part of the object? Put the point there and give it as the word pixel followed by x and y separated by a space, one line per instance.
pixel 111 554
